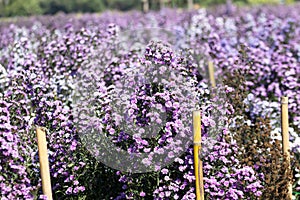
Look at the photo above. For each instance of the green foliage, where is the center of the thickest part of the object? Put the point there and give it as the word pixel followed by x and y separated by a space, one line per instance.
pixel 123 4
pixel 289 1
pixel 256 2
pixel 20 8
pixel 209 2
pixel 69 6
pixel 9 8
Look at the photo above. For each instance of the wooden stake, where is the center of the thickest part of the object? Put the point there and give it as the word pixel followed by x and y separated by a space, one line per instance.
pixel 190 4
pixel 285 135
pixel 44 163
pixel 197 148
pixel 145 6
pixel 161 4
pixel 211 74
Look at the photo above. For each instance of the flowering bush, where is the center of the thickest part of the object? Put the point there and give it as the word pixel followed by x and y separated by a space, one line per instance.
pixel 54 68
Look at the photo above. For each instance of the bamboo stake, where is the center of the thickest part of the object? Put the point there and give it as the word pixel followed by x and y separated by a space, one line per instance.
pixel 211 74
pixel 145 6
pixel 285 135
pixel 197 147
pixel 44 163
pixel 161 4
pixel 190 4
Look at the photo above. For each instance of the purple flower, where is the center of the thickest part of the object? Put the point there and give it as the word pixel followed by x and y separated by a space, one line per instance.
pixel 142 194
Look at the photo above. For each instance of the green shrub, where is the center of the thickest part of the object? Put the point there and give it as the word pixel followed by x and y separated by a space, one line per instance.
pixel 256 2
pixel 21 8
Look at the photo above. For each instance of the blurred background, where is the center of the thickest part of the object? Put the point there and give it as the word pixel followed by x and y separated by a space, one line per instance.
pixel 10 8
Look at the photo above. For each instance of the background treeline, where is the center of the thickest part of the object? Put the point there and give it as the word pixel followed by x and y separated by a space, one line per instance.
pixel 10 8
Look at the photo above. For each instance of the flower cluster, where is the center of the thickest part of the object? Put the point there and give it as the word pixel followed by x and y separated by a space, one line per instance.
pixel 230 180
pixel 54 68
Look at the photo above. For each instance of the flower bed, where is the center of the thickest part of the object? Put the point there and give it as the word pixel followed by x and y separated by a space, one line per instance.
pixel 45 60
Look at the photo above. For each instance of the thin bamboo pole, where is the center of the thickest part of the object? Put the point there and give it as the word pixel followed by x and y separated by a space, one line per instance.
pixel 190 4
pixel 285 135
pixel 211 74
pixel 161 4
pixel 44 163
pixel 197 148
pixel 145 5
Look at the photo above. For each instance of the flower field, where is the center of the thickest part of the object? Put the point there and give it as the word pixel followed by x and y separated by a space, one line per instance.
pixel 93 78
